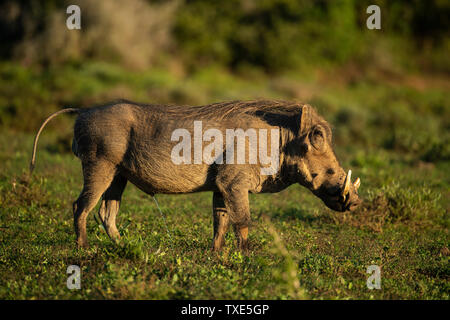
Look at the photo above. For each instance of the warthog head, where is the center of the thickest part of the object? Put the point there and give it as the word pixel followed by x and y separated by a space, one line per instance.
pixel 317 166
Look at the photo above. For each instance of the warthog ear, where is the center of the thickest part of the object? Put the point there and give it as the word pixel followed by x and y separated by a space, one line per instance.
pixel 305 119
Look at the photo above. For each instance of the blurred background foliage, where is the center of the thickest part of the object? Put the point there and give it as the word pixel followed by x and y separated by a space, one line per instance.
pixel 380 88
pixel 274 35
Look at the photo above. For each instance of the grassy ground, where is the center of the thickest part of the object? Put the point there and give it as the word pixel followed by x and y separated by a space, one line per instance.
pixel 394 136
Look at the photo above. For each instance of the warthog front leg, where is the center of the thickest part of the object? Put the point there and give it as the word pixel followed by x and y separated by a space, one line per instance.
pixel 110 206
pixel 241 233
pixel 236 201
pixel 221 221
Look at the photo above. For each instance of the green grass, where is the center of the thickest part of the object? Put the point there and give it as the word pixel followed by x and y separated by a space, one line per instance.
pixel 406 233
pixel 394 136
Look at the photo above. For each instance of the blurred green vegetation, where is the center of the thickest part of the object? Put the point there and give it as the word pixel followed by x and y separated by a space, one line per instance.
pixel 286 34
pixel 385 93
pixel 380 88
pixel 274 35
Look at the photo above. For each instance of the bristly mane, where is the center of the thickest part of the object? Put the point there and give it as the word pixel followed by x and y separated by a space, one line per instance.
pixel 226 110
pixel 277 112
pixel 259 108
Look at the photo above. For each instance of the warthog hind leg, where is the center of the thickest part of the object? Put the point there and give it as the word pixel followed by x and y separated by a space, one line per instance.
pixel 221 221
pixel 97 175
pixel 110 206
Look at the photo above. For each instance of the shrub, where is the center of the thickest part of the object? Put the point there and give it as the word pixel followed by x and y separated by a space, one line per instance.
pixel 394 203
pixel 132 32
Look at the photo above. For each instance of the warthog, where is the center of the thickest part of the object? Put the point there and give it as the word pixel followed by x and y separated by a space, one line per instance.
pixel 126 141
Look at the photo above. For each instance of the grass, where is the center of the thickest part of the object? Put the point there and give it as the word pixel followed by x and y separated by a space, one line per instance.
pixel 299 248
pixel 326 252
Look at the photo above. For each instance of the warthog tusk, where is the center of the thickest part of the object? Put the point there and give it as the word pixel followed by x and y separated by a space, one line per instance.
pixel 347 184
pixel 357 183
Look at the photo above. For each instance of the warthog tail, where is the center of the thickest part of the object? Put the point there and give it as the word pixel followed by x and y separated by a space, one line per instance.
pixel 33 155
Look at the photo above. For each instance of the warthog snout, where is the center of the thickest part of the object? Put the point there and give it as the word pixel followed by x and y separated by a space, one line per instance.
pixel 343 197
pixel 349 196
